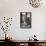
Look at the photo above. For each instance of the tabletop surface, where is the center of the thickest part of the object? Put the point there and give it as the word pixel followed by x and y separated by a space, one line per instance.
pixel 39 41
pixel 42 41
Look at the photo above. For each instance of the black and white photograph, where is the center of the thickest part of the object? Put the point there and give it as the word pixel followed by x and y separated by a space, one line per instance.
pixel 25 19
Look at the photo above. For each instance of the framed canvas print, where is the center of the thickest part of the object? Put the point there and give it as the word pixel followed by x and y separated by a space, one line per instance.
pixel 25 19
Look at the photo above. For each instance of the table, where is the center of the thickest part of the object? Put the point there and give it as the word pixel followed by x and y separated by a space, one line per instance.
pixel 27 42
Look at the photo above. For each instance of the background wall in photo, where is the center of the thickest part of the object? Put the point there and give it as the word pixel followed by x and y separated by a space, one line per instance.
pixel 25 19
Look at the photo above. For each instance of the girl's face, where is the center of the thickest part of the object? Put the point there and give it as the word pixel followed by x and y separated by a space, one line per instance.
pixel 28 15
pixel 23 16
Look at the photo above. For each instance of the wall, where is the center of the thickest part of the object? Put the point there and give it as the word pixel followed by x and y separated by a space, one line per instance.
pixel 12 8
pixel 45 29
